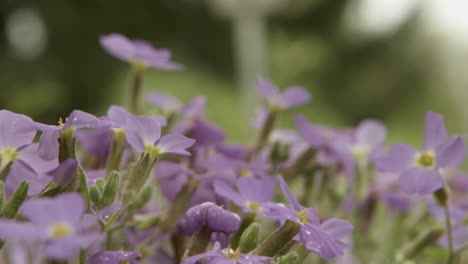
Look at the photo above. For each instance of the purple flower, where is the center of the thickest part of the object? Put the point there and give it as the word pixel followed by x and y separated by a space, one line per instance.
pixel 48 143
pixel 368 139
pixel 114 257
pixel 211 216
pixel 65 231
pixel 139 52
pixel 165 102
pixel 226 256
pixel 172 178
pixel 291 97
pixel 322 238
pixel 207 134
pixel 252 192
pixel 144 135
pixel 460 238
pixel 419 170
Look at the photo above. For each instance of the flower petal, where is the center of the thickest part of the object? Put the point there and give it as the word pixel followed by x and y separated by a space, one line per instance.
pixel 399 158
pixel 142 131
pixel 420 181
pixel 118 46
pixel 451 153
pixel 266 88
pixel 289 195
pixel 225 190
pixel 295 96
pixel 434 131
pixel 174 143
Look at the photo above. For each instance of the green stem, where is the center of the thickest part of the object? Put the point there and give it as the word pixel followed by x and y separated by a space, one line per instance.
pixel 198 243
pixel 135 89
pixel 448 223
pixel 274 242
pixel 115 155
pixel 264 134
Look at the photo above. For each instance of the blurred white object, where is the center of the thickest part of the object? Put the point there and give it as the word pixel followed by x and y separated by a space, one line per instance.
pixel 379 17
pixel 26 33
pixel 250 40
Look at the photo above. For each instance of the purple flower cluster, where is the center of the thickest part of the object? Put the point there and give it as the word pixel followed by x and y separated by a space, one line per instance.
pixel 133 188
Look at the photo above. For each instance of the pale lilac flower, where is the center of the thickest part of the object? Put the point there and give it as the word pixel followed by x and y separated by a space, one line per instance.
pixel 144 135
pixel 64 231
pixel 323 238
pixel 48 143
pixel 165 102
pixel 114 257
pixel 291 97
pixel 251 192
pixel 136 51
pixel 226 256
pixel 419 170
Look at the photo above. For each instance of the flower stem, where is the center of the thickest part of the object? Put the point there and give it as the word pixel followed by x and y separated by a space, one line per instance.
pixel 274 242
pixel 448 223
pixel 135 89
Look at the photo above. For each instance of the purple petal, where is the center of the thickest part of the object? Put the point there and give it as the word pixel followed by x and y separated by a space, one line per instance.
pixel 197 258
pixel 451 153
pixel 64 173
pixel 280 212
pixel 118 46
pixel 289 195
pixel 195 107
pixel 225 190
pixel 295 96
pixel 174 143
pixel 48 211
pixel 164 101
pixel 142 131
pixel 399 158
pixel 30 156
pixel 220 220
pixel 207 134
pixel 15 231
pixel 249 259
pixel 118 115
pixel 316 240
pixel 434 131
pixel 172 178
pixel 310 133
pixel 70 246
pixel 371 133
pixel 21 172
pixel 266 88
pixel 337 228
pixel 80 119
pixel 114 257
pixel 15 130
pixel 49 145
pixel 420 181
pixel 257 189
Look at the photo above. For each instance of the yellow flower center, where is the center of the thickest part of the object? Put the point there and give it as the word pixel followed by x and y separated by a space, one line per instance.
pixel 426 159
pixel 138 65
pixel 231 254
pixel 61 230
pixel 245 172
pixel 8 155
pixel 303 216
pixel 254 206
pixel 154 151
pixel 360 152
pixel 61 124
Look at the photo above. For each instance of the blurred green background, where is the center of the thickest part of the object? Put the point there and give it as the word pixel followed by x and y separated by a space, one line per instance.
pixel 387 59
